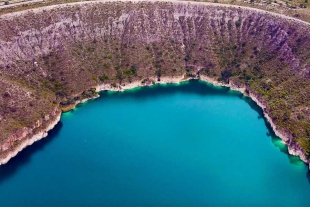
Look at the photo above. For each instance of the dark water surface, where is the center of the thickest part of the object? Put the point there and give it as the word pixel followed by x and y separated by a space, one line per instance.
pixel 190 144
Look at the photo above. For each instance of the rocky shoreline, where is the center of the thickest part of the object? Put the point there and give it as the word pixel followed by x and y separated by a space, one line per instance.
pixel 293 148
pixel 27 142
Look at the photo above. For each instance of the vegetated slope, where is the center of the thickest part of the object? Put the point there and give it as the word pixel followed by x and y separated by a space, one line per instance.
pixel 52 57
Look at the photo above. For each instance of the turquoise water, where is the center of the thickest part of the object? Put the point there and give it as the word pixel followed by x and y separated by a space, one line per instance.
pixel 190 144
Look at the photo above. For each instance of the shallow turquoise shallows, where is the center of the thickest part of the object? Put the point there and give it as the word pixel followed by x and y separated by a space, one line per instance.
pixel 189 144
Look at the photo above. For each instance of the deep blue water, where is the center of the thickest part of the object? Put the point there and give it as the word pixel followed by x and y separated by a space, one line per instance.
pixel 190 144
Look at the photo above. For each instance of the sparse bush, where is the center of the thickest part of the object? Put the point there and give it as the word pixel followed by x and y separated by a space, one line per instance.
pixel 238 23
pixel 103 78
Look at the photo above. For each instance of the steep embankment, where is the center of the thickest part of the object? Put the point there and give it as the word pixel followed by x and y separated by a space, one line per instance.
pixel 51 57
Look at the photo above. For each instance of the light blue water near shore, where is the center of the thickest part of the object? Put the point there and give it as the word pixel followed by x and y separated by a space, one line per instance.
pixel 174 145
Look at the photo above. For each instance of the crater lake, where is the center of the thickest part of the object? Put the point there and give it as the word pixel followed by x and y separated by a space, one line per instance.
pixel 187 144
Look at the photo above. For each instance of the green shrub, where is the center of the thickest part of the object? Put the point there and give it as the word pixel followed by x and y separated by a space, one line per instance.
pixel 238 23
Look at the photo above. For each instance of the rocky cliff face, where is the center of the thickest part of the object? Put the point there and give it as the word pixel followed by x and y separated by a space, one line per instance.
pixel 24 137
pixel 49 55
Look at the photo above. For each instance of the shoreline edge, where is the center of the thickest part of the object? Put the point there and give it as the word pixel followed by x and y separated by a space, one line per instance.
pixel 163 80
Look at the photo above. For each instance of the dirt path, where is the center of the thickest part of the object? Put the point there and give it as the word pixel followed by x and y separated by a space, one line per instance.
pixel 173 1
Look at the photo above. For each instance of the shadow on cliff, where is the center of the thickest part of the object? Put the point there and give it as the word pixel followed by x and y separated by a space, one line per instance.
pixel 24 157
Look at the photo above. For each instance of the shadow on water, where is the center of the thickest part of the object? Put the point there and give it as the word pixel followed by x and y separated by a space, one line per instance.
pixel 277 142
pixel 204 89
pixel 270 132
pixel 200 88
pixel 308 176
pixel 25 155
pixel 144 93
pixel 188 87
